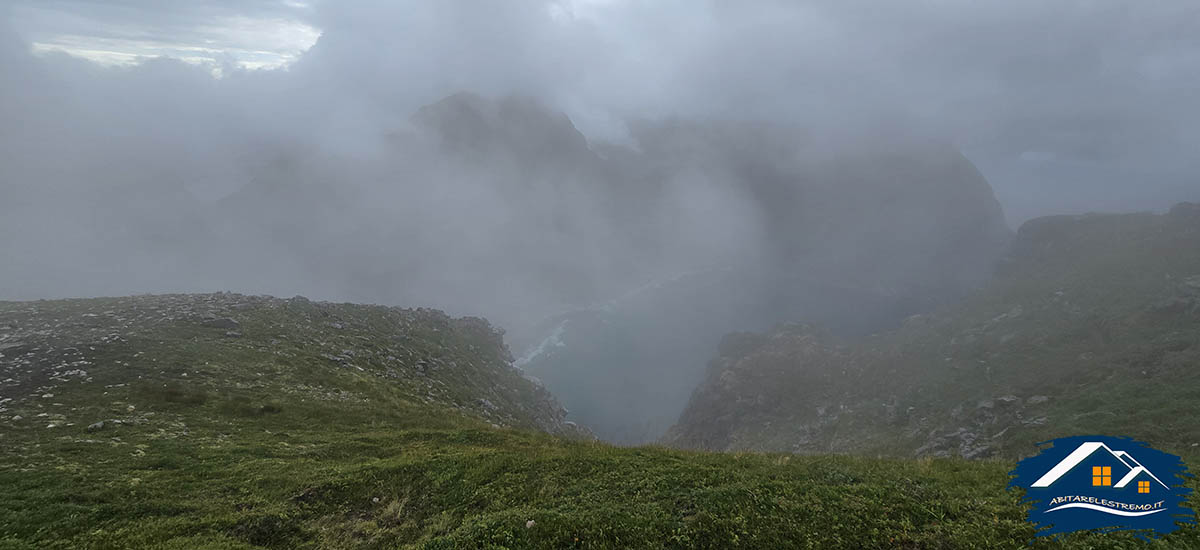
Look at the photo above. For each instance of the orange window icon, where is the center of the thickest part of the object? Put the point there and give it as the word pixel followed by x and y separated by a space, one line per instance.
pixel 1102 476
pixel 1143 486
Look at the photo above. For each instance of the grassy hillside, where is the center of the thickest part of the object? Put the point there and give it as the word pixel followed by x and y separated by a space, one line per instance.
pixel 234 422
pixel 282 486
pixel 167 361
pixel 1092 326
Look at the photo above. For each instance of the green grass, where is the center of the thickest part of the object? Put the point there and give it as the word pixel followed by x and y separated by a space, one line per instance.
pixel 360 364
pixel 263 441
pixel 269 483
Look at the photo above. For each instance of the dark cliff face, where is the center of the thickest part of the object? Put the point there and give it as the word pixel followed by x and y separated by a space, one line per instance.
pixel 515 128
pixel 796 361
pixel 856 239
pixel 771 196
pixel 1089 318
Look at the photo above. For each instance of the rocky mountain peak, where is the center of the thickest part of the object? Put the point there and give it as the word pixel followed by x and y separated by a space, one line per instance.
pixel 521 129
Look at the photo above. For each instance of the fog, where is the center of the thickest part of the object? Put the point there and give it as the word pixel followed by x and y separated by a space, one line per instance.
pixel 587 148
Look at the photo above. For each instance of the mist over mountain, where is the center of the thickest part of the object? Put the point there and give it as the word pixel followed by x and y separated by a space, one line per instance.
pixel 1042 98
pixel 593 274
pixel 1089 326
pixel 502 206
pixel 853 237
pixel 492 205
pixel 667 173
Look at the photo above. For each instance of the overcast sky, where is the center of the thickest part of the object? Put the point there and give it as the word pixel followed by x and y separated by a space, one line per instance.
pixel 1065 106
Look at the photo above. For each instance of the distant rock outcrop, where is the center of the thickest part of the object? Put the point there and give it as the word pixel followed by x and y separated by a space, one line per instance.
pixel 1092 326
pixel 855 236
pixel 516 129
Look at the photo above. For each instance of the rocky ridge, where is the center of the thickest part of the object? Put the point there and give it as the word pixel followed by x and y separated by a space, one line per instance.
pixel 165 360
pixel 1092 325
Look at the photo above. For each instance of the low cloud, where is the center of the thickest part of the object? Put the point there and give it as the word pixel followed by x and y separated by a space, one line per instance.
pixel 115 180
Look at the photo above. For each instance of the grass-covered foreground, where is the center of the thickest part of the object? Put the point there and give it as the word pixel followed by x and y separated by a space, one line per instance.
pixel 277 483
pixel 225 421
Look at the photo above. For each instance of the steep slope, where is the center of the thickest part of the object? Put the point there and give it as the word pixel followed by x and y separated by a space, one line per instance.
pixel 855 237
pixel 1091 326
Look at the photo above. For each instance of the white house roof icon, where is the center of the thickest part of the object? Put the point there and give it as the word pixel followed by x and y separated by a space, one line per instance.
pixel 1085 450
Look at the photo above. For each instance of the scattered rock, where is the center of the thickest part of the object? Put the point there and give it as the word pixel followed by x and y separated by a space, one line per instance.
pixel 224 322
pixel 1038 399
pixel 963 442
pixel 47 351
pixel 529 524
pixel 1013 313
pixel 1008 400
